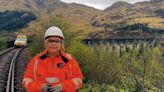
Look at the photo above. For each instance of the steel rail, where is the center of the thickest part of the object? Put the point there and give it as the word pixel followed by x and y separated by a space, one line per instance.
pixel 10 80
pixel 7 50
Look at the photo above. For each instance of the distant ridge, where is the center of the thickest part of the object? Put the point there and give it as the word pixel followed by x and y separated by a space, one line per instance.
pixel 157 1
pixel 119 4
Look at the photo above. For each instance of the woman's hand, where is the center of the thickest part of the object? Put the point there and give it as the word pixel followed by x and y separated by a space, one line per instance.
pixel 45 87
pixel 57 88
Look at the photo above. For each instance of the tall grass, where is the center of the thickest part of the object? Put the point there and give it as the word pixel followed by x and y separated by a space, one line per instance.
pixel 136 70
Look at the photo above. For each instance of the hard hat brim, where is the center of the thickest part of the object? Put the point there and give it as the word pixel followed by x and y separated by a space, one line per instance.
pixel 53 36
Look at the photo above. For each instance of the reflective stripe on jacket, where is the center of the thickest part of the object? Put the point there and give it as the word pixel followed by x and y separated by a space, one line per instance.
pixel 62 69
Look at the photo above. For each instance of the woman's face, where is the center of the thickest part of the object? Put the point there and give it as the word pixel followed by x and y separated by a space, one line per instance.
pixel 53 44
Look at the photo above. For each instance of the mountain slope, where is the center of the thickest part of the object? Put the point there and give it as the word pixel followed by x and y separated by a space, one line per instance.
pixel 119 4
pixel 124 20
pixel 38 6
pixel 78 15
pixel 124 13
pixel 120 15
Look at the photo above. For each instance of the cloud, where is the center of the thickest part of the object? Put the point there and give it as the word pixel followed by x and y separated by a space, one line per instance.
pixel 99 4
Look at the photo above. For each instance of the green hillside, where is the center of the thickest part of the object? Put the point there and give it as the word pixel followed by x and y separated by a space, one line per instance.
pixel 12 20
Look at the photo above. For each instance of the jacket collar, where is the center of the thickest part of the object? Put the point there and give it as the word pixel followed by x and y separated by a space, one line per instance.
pixel 44 54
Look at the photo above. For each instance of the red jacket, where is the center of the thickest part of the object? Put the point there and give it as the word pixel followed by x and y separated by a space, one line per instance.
pixel 63 68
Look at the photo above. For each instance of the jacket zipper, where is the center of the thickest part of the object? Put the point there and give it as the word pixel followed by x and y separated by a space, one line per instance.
pixel 52 67
pixel 66 75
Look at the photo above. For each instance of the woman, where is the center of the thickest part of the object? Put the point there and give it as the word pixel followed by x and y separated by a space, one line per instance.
pixel 53 70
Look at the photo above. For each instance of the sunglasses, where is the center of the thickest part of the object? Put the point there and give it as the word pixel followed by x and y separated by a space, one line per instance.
pixel 54 41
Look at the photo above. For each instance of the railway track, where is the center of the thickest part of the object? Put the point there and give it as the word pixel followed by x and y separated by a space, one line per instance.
pixel 8 60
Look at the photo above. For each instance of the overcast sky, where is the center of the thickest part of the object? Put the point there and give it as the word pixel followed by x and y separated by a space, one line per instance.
pixel 99 4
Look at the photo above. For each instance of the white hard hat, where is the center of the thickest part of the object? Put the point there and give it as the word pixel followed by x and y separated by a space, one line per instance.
pixel 53 31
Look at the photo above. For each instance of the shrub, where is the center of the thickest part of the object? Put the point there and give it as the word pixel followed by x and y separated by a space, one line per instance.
pixel 3 43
